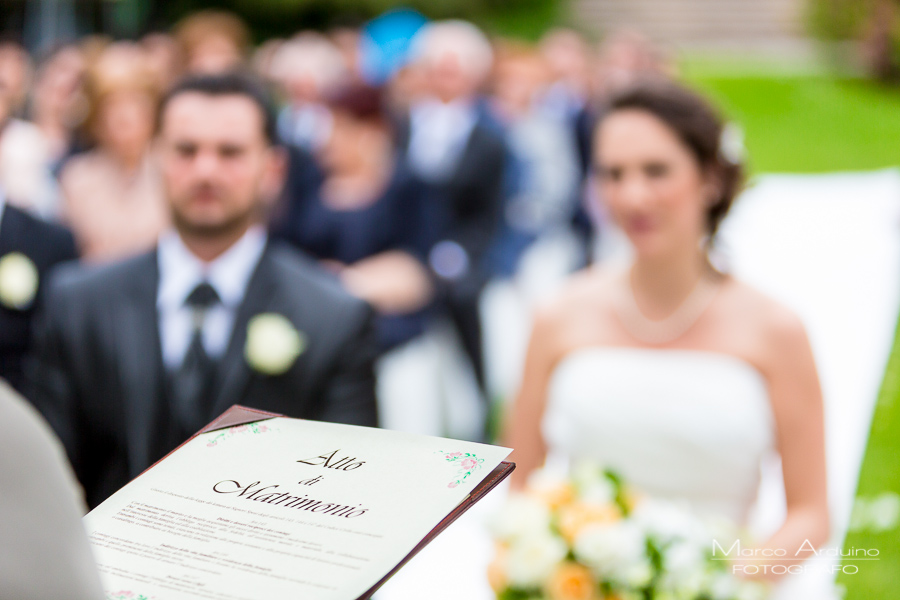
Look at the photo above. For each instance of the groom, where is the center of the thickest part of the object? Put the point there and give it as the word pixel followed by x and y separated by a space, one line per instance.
pixel 133 358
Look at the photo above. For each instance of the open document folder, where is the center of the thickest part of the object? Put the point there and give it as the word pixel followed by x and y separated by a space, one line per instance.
pixel 259 506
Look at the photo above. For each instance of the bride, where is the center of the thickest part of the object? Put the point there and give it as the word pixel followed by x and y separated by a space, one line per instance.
pixel 678 376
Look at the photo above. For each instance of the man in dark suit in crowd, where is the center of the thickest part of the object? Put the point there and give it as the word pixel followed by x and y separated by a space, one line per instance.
pixel 458 150
pixel 29 249
pixel 133 358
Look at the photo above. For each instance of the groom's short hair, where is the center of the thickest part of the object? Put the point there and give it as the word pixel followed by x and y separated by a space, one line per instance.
pixel 226 84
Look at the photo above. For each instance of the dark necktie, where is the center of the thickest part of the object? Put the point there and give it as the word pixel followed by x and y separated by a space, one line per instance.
pixel 192 388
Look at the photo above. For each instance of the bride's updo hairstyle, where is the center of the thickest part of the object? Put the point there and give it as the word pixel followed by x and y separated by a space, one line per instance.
pixel 715 145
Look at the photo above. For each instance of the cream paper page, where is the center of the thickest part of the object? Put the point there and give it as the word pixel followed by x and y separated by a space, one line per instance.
pixel 281 508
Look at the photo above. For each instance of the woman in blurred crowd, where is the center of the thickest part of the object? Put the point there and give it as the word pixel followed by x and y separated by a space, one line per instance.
pixel 25 176
pixel 161 53
pixel 58 103
pixel 676 375
pixel 625 58
pixel 360 217
pixel 113 196
pixel 212 41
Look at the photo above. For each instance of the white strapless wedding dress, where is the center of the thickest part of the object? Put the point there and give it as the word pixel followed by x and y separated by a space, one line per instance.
pixel 685 425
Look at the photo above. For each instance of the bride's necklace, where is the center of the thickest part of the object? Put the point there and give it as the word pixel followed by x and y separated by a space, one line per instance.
pixel 663 331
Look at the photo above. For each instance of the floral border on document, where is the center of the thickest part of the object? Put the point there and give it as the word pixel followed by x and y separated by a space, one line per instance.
pixel 226 433
pixel 467 463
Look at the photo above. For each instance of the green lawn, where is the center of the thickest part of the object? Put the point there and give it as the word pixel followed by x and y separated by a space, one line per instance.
pixel 817 123
pixel 810 123
pixel 880 474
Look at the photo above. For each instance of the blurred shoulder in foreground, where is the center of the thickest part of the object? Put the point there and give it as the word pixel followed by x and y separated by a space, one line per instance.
pixel 41 507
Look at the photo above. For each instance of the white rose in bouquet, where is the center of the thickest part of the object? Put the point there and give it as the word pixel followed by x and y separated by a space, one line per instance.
pixel 533 558
pixel 613 551
pixel 685 567
pixel 722 586
pixel 521 516
pixel 599 492
pixel 684 558
pixel 666 522
pixel 638 575
pixel 592 484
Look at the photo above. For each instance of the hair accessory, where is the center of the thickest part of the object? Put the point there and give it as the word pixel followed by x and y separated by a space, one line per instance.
pixel 731 143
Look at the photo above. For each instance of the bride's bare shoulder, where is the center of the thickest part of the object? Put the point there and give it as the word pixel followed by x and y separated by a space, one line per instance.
pixel 773 322
pixel 772 337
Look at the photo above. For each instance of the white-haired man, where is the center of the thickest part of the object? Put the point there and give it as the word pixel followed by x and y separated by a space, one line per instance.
pixel 453 147
pixel 307 67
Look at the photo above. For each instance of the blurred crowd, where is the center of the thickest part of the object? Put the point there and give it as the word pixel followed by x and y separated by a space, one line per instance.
pixel 424 159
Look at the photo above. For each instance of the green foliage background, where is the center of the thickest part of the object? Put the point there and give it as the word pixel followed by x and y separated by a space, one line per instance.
pixel 875 23
pixel 269 18
pixel 838 20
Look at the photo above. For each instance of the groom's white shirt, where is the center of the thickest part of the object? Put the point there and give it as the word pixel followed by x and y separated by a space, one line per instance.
pixel 180 272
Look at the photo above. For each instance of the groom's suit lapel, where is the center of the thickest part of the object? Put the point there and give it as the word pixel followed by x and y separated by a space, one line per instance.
pixel 233 373
pixel 140 357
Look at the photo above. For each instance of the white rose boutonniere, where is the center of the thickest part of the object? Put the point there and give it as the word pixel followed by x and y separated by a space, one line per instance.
pixel 273 343
pixel 18 281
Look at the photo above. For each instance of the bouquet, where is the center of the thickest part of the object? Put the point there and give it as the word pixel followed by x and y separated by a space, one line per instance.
pixel 591 537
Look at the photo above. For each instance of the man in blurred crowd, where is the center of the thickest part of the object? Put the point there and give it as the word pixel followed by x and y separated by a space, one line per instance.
pixel 568 96
pixel 133 358
pixel 450 145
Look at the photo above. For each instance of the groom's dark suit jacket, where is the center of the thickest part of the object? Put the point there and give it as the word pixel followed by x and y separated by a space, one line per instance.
pixel 46 245
pixel 97 373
